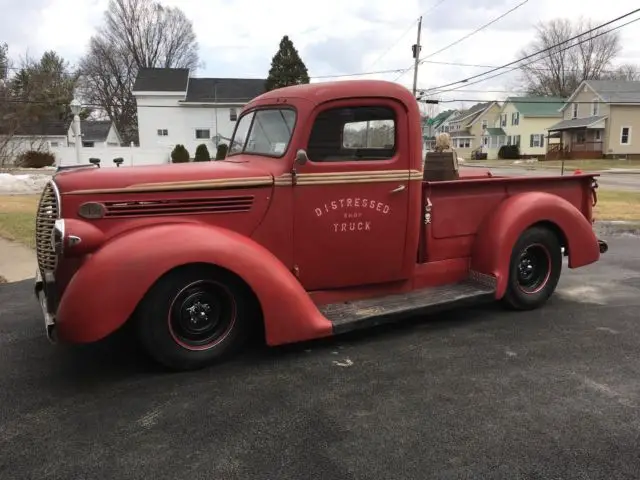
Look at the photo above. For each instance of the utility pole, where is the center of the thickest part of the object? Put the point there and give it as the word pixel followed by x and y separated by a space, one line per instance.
pixel 416 56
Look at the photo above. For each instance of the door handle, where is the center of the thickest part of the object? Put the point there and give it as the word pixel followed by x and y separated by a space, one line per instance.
pixel 399 188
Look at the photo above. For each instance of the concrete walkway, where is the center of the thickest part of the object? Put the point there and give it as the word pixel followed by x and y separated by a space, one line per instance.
pixel 17 262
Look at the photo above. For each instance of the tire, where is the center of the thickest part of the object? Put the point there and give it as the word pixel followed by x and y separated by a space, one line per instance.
pixel 193 317
pixel 534 269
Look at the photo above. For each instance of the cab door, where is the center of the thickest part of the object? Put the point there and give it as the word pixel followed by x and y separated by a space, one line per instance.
pixel 351 196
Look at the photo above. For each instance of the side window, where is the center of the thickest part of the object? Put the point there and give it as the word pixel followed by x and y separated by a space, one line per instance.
pixel 353 133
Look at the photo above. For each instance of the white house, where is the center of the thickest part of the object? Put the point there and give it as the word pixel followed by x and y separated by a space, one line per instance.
pixel 175 108
pixel 95 133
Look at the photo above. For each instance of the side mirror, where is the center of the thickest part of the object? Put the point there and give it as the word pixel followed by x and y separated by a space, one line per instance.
pixel 301 157
pixel 95 161
pixel 118 161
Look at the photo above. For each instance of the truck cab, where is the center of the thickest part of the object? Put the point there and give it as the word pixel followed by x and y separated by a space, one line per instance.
pixel 319 221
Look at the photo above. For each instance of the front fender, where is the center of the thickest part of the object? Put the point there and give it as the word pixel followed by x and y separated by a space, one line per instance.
pixel 105 291
pixel 497 235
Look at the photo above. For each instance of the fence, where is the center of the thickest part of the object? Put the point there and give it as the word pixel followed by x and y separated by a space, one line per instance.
pixel 132 156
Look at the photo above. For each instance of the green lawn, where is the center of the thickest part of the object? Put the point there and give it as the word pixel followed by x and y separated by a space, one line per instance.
pixel 17 218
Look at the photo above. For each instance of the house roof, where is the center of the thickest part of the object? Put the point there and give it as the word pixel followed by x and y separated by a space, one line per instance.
pixel 610 91
pixel 537 106
pixel 95 130
pixel 576 123
pixel 494 132
pixel 472 113
pixel 45 128
pixel 616 91
pixel 441 117
pixel 161 80
pixel 232 90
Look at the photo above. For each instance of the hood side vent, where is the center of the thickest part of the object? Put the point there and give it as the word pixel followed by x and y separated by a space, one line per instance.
pixel 189 206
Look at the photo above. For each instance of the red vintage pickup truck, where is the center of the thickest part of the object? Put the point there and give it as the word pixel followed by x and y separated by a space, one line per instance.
pixel 318 222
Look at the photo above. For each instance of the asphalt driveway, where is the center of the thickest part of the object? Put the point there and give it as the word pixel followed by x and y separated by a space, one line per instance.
pixel 478 393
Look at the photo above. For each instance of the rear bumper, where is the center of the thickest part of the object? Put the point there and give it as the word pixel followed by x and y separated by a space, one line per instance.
pixel 44 289
pixel 603 246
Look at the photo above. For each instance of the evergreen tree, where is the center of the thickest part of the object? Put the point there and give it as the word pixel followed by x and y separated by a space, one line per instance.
pixel 287 68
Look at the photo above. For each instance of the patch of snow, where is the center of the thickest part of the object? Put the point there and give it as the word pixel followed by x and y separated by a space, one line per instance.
pixel 30 183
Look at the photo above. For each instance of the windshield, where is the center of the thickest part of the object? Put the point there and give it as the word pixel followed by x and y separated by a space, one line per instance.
pixel 264 132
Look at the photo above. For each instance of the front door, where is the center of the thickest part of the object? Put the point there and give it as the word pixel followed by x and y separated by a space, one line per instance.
pixel 351 197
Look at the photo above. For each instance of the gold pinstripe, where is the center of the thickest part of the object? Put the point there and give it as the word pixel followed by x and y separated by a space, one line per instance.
pixel 332 178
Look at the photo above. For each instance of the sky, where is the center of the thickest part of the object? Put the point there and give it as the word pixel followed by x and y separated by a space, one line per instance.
pixel 237 38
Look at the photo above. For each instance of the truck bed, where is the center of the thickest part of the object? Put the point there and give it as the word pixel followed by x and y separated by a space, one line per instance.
pixel 459 206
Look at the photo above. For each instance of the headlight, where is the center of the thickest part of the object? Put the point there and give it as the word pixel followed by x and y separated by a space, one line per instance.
pixel 57 239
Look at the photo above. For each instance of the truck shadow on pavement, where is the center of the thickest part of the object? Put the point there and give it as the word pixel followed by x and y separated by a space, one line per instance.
pixel 120 357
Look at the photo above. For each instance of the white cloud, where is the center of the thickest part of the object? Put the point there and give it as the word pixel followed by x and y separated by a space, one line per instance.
pixel 239 37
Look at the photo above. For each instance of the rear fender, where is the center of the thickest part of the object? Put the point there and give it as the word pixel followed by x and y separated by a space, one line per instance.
pixel 497 235
pixel 106 290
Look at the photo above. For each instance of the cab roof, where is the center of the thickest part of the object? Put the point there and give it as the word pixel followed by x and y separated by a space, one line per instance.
pixel 324 91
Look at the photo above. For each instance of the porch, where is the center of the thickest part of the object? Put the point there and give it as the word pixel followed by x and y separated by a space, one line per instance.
pixel 578 138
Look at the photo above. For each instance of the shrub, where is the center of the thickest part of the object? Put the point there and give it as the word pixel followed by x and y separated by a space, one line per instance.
pixel 509 152
pixel 35 159
pixel 180 154
pixel 221 152
pixel 202 153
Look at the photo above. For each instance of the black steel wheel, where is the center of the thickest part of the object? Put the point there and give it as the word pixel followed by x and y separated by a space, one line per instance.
pixel 534 269
pixel 201 314
pixel 194 316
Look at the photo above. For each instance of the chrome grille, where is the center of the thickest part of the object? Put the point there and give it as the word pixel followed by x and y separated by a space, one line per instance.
pixel 48 212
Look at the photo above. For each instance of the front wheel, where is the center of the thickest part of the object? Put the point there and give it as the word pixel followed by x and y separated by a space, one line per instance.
pixel 192 317
pixel 534 269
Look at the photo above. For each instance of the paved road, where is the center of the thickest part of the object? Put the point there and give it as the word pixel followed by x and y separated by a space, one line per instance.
pixel 478 393
pixel 617 181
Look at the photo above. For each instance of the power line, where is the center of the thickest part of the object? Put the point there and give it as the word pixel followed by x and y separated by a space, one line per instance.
pixel 465 80
pixel 533 61
pixel 479 29
pixel 458 64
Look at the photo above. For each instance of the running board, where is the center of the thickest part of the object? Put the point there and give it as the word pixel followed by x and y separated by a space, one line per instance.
pixel 370 312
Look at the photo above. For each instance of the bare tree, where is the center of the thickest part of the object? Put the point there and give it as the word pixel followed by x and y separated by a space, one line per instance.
pixel 560 69
pixel 627 72
pixel 136 34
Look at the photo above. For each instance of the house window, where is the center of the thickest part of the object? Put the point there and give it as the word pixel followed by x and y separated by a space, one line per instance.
pixel 484 124
pixel 574 113
pixel 516 140
pixel 595 107
pixel 353 133
pixel 233 114
pixel 163 132
pixel 202 133
pixel 508 139
pixel 503 120
pixel 536 140
pixel 54 144
pixel 625 136
pixel 515 118
pixel 598 135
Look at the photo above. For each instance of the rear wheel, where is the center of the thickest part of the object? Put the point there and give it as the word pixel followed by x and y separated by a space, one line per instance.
pixel 194 316
pixel 534 269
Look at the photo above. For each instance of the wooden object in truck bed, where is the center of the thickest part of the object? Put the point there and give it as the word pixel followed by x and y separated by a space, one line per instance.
pixel 440 166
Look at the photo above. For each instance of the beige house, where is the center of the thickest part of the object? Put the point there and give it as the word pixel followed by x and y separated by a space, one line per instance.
pixel 523 121
pixel 467 128
pixel 599 120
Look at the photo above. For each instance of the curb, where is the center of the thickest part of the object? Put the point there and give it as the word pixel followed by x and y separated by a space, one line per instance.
pixel 529 166
pixel 614 227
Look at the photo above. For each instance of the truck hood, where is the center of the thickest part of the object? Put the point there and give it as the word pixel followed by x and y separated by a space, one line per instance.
pixel 113 178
